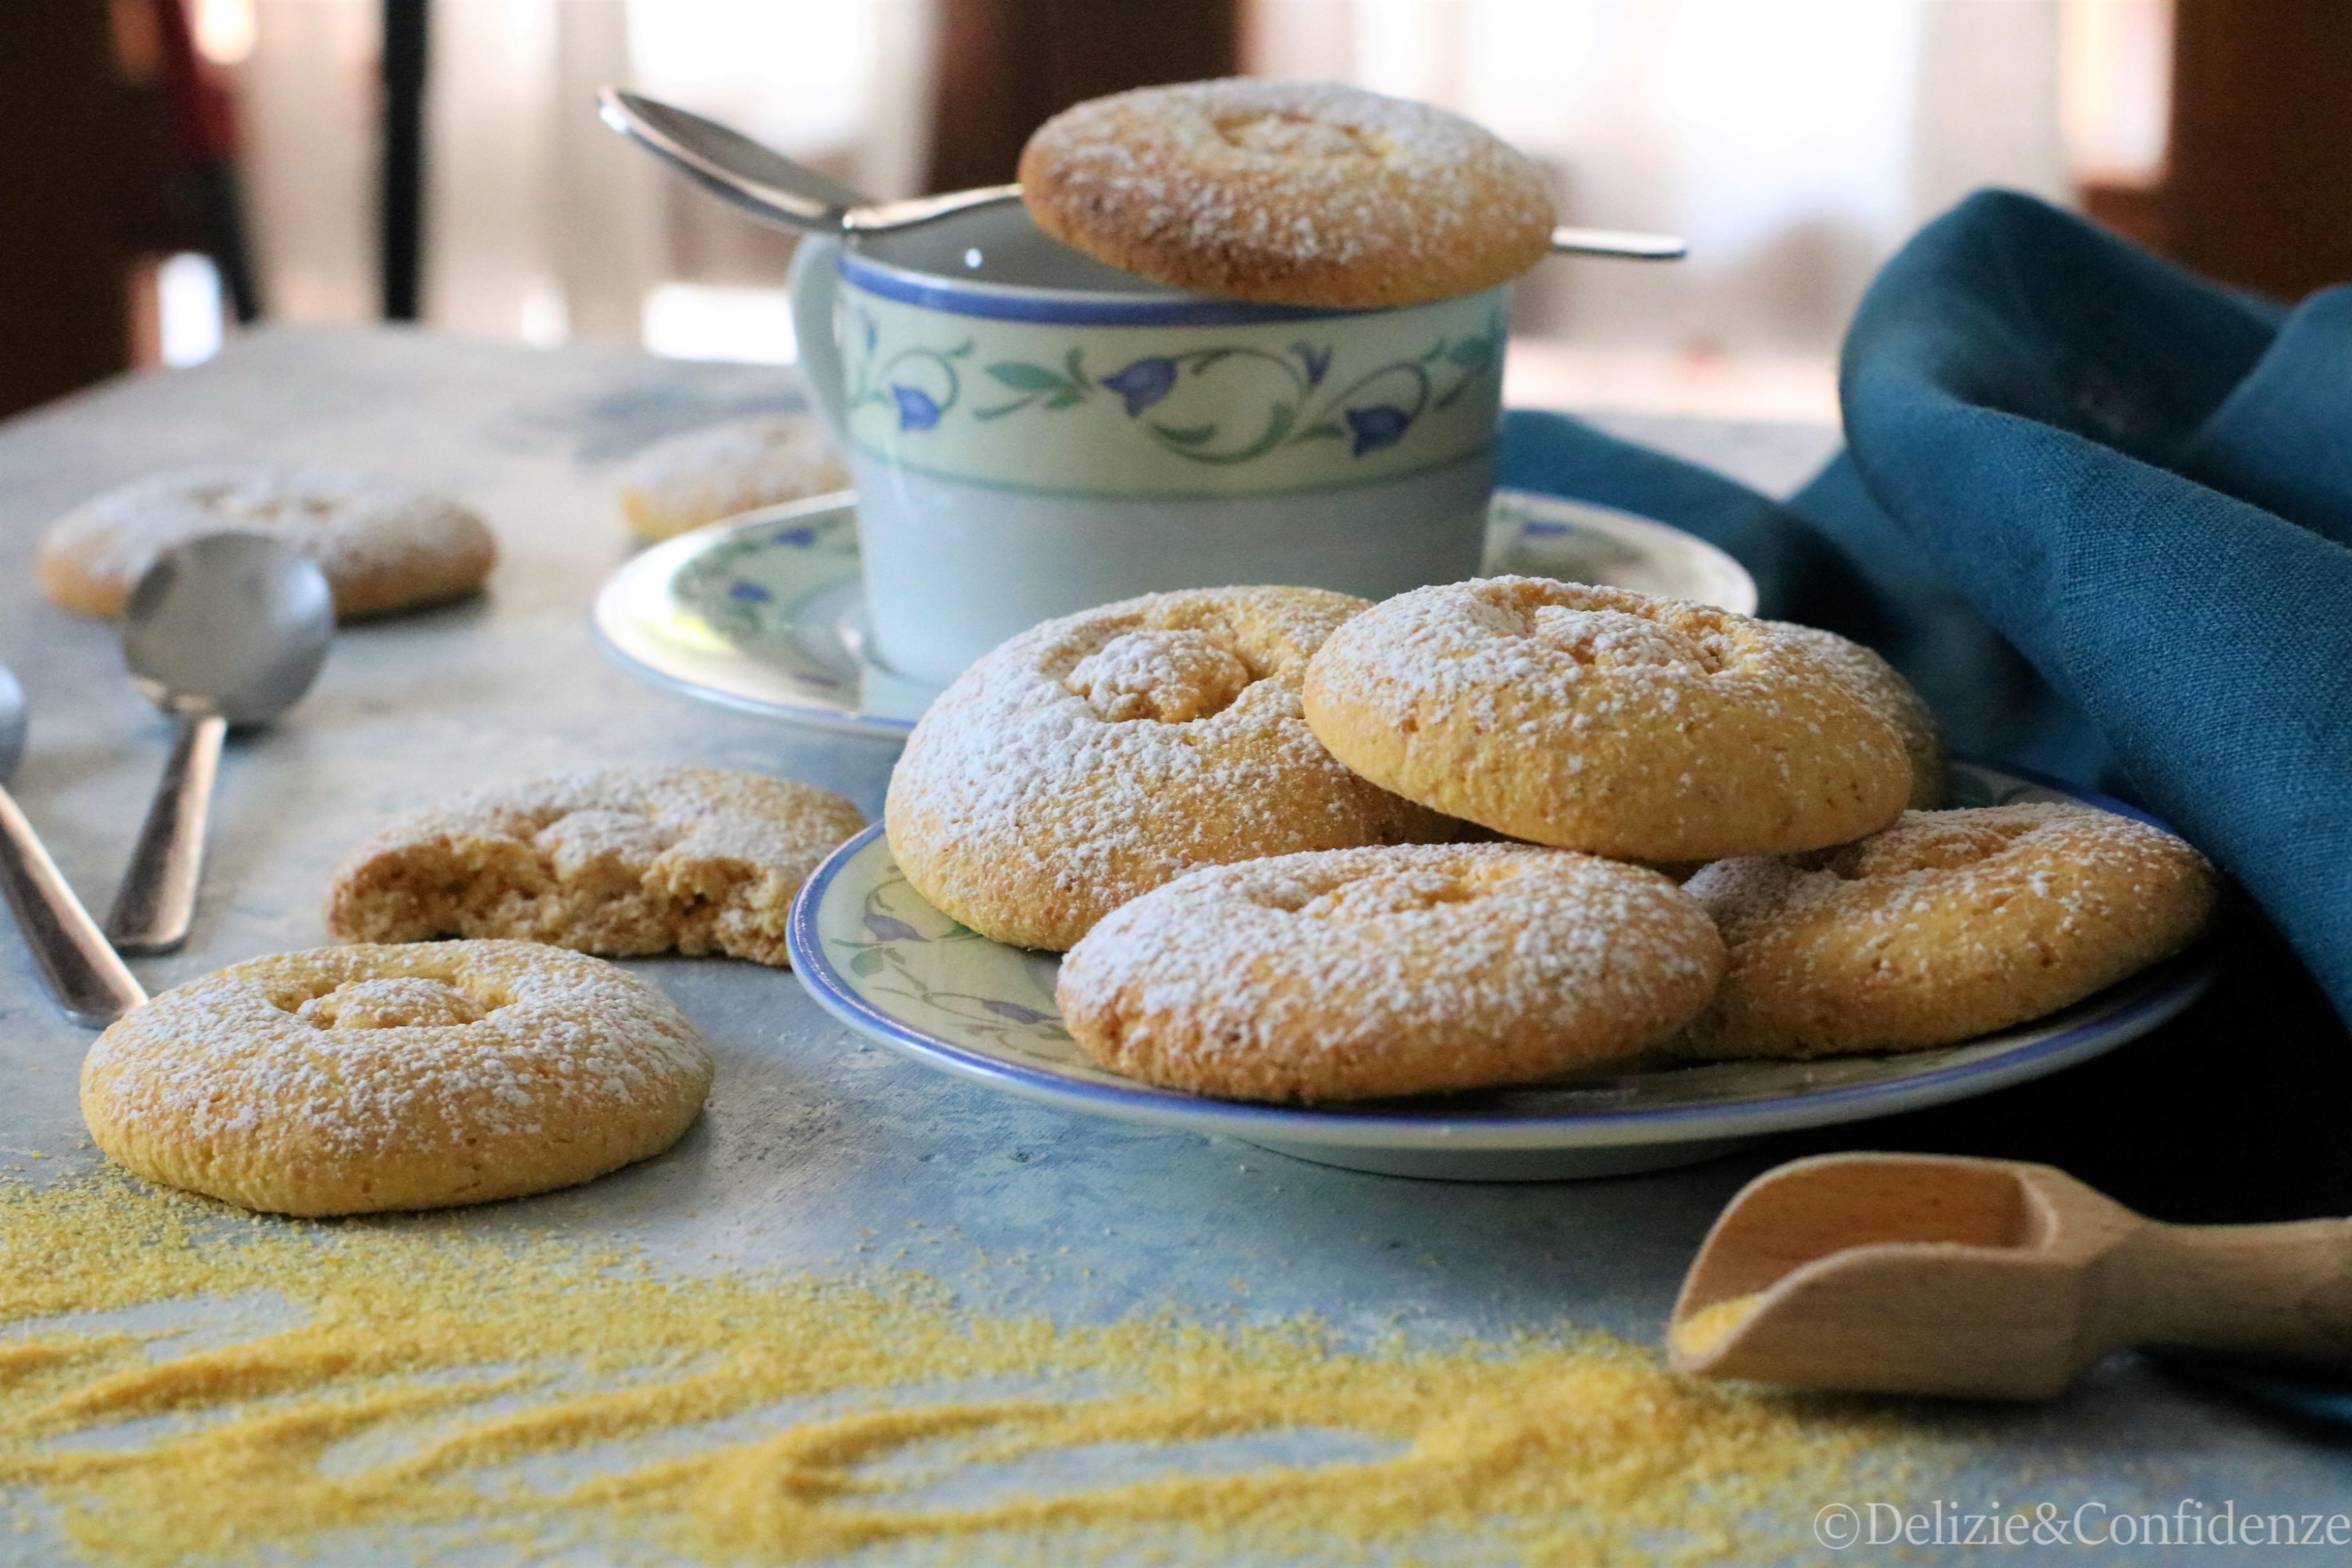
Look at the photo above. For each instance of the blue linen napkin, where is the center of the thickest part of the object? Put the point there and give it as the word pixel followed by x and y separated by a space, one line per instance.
pixel 2098 512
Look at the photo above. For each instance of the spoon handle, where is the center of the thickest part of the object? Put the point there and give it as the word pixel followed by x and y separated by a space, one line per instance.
pixel 2279 1290
pixel 90 983
pixel 157 902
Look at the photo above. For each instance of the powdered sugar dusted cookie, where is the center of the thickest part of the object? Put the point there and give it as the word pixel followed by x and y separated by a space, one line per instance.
pixel 383 545
pixel 1948 925
pixel 353 1079
pixel 1293 192
pixel 1605 720
pixel 705 475
pixel 1094 757
pixel 618 860
pixel 1359 972
pixel 1885 688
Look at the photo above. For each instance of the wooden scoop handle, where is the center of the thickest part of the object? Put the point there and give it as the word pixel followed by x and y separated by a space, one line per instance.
pixel 2281 1290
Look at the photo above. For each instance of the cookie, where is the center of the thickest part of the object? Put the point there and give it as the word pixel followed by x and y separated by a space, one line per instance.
pixel 354 1080
pixel 383 545
pixel 1948 925
pixel 1362 973
pixel 1289 193
pixel 1604 721
pixel 618 860
pixel 706 475
pixel 1094 757
pixel 1883 688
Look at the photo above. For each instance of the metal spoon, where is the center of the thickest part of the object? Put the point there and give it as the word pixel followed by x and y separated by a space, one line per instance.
pixel 89 982
pixel 226 629
pixel 772 188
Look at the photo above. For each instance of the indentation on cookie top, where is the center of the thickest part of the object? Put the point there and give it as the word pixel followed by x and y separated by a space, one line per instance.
pixel 1613 639
pixel 1924 841
pixel 1171 676
pixel 395 1002
pixel 1399 893
pixel 1289 135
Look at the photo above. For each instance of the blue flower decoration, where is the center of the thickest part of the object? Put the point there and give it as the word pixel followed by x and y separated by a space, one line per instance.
pixel 1540 530
pixel 1017 1013
pixel 887 928
pixel 917 410
pixel 1382 424
pixel 799 538
pixel 1144 382
pixel 1316 360
pixel 749 593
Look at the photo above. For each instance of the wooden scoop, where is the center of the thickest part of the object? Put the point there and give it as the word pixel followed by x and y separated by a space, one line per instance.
pixel 1988 1279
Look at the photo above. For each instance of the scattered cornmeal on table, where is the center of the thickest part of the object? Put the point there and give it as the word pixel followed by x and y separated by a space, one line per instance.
pixel 355 1079
pixel 717 1415
pixel 610 861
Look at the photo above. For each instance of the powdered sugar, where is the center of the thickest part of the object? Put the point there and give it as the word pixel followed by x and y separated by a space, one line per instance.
pixel 352 524
pixel 1389 969
pixel 1269 177
pixel 308 1054
pixel 1019 786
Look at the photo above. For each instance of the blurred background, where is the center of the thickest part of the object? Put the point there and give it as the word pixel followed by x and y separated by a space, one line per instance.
pixel 176 168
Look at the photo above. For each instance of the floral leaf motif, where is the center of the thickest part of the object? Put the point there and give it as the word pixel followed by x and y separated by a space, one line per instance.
pixel 1025 378
pixel 1381 425
pixel 1144 382
pixel 1017 1013
pixel 917 410
pixel 866 961
pixel 1316 360
pixel 748 593
pixel 1470 353
pixel 1187 436
pixel 888 928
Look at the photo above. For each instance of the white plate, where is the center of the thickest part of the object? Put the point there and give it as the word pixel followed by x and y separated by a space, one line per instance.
pixel 887 963
pixel 764 612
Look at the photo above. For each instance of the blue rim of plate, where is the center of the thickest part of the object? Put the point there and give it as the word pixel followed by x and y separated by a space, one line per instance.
pixel 2134 1007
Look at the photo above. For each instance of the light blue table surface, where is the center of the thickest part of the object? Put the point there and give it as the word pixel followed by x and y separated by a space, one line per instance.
pixel 813 1136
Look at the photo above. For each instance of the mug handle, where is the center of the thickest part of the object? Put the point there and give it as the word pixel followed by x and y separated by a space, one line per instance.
pixel 815 283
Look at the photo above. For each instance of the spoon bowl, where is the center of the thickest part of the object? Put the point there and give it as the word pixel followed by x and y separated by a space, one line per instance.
pixel 230 629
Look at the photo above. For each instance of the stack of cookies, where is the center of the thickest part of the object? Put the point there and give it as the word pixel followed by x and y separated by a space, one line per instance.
pixel 1303 847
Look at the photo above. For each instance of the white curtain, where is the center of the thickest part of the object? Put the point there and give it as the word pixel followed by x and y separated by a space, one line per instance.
pixel 1796 142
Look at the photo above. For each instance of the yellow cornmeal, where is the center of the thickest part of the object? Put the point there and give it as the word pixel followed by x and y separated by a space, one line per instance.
pixel 432 1376
pixel 1705 1330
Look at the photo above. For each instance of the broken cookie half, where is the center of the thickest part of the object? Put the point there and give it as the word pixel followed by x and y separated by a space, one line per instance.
pixel 615 860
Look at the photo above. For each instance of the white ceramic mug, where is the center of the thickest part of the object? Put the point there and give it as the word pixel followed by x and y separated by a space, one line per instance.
pixel 1033 432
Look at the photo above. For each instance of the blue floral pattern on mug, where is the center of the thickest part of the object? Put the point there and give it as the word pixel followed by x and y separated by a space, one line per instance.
pixel 1144 382
pixel 1371 413
pixel 916 408
pixel 1382 424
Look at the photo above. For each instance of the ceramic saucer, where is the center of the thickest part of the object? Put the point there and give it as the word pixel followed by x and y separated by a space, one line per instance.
pixel 764 612
pixel 887 963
